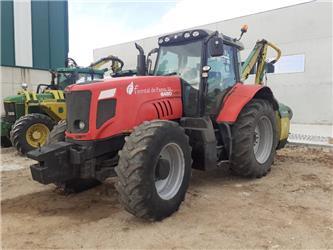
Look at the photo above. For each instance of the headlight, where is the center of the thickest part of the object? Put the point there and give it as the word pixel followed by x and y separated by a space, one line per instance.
pixel 78 124
pixel 81 125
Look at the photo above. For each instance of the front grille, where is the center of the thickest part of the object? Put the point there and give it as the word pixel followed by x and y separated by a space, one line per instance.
pixel 10 110
pixel 105 111
pixel 78 106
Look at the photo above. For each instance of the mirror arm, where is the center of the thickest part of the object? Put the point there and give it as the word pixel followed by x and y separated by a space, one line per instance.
pixel 216 33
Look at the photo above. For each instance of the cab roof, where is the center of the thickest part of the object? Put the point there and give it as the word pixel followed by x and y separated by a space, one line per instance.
pixel 192 35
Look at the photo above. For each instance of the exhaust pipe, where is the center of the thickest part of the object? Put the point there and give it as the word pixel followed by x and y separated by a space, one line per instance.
pixel 141 61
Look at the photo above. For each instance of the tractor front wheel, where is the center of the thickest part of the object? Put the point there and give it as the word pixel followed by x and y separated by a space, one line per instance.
pixel 254 140
pixel 30 131
pixel 5 142
pixel 57 133
pixel 154 169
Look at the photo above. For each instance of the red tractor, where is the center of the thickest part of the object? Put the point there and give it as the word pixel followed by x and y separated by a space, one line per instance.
pixel 149 130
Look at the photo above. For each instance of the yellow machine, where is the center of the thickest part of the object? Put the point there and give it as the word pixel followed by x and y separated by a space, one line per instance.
pixel 257 63
pixel 30 115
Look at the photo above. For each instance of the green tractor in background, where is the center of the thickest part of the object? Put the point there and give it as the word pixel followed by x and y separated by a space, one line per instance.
pixel 30 116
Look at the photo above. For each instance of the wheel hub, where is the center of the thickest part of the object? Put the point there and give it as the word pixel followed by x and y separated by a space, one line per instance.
pixel 263 139
pixel 162 169
pixel 169 171
pixel 36 134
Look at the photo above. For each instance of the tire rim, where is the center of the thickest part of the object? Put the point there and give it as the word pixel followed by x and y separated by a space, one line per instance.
pixel 263 139
pixel 169 171
pixel 36 135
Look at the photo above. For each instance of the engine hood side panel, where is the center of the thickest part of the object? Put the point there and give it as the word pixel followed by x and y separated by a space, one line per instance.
pixel 138 99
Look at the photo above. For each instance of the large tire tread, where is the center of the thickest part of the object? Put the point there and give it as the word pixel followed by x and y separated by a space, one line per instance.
pixel 132 185
pixel 243 162
pixel 57 133
pixel 20 126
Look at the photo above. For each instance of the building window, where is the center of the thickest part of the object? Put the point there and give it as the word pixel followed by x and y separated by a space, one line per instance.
pixel 290 64
pixel 286 64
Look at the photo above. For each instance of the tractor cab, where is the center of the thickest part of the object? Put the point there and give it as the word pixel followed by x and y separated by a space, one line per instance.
pixel 63 77
pixel 207 63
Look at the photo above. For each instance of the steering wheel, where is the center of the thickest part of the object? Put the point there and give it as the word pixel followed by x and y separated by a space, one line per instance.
pixel 47 86
pixel 70 63
pixel 117 64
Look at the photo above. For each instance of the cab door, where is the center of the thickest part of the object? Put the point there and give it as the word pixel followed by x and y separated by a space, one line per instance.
pixel 224 73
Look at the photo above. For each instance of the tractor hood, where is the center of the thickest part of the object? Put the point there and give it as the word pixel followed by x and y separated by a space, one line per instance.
pixel 116 105
pixel 133 85
pixel 20 98
pixel 15 98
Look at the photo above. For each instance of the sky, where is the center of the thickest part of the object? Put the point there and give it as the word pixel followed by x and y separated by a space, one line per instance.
pixel 101 23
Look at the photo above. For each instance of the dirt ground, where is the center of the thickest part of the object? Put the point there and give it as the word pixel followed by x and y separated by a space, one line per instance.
pixel 290 208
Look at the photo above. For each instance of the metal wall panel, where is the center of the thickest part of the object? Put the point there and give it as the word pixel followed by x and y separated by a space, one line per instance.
pixel 7 33
pixel 58 21
pixel 40 34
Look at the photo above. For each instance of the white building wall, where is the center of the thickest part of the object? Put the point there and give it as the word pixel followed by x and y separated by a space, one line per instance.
pixel 11 79
pixel 22 30
pixel 300 29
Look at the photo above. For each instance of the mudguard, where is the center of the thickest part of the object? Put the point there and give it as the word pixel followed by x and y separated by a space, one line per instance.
pixel 238 97
pixel 241 94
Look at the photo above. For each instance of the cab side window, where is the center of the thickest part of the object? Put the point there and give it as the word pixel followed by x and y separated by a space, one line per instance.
pixel 221 76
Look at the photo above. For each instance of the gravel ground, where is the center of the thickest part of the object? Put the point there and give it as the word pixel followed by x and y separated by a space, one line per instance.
pixel 290 208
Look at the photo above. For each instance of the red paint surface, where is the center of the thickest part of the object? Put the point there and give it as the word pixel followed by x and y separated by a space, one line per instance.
pixel 149 96
pixel 237 98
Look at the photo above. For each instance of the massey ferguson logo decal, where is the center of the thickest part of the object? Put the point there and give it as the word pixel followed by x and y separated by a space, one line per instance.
pixel 133 88
pixel 130 88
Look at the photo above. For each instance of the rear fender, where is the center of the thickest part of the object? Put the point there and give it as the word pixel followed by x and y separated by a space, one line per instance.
pixel 239 96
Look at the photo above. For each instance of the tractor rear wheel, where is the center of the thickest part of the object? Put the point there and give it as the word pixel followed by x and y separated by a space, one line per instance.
pixel 254 140
pixel 154 169
pixel 30 131
pixel 71 186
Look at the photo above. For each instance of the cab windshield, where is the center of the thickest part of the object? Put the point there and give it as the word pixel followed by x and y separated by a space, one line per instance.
pixel 183 60
pixel 65 79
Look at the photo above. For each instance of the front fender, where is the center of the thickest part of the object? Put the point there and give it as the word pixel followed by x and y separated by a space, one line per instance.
pixel 238 97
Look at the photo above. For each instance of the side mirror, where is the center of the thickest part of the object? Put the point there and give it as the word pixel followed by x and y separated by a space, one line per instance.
pixel 149 61
pixel 270 68
pixel 215 46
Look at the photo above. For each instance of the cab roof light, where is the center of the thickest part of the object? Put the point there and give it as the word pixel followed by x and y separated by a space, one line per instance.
pixel 187 35
pixel 195 33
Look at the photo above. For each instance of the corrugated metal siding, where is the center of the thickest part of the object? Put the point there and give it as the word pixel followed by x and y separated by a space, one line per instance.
pixel 48 29
pixel 58 15
pixel 7 33
pixel 40 34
